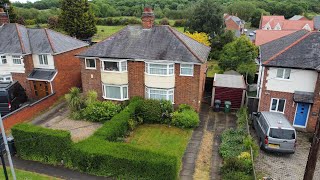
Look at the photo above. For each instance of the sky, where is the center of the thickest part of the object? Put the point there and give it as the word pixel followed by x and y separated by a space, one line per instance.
pixel 23 1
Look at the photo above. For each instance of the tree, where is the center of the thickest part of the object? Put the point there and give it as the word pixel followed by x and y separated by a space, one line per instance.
pixel 206 17
pixel 256 16
pixel 200 37
pixel 239 55
pixel 12 13
pixel 53 22
pixel 77 18
pixel 218 42
pixel 242 9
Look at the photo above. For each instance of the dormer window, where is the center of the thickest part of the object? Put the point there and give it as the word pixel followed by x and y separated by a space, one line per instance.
pixel 17 60
pixel 3 60
pixel 43 59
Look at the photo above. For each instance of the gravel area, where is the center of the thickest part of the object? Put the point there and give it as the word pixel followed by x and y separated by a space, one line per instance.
pixel 286 166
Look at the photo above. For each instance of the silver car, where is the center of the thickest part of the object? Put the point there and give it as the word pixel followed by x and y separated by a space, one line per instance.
pixel 275 133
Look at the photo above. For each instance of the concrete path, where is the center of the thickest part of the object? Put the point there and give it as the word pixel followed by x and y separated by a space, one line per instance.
pixel 191 153
pixel 54 171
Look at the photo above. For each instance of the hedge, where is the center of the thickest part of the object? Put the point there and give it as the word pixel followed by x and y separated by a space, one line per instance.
pixel 99 157
pixel 42 144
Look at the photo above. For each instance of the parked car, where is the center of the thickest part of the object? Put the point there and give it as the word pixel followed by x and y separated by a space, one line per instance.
pixel 12 96
pixel 275 133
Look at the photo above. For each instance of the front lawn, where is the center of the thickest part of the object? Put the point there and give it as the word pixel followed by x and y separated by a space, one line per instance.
pixel 26 175
pixel 161 138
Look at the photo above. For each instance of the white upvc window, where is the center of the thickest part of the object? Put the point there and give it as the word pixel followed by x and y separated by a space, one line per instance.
pixel 5 78
pixel 43 59
pixel 160 94
pixel 277 105
pixel 115 92
pixel 283 73
pixel 90 63
pixel 17 60
pixel 114 65
pixel 186 69
pixel 3 59
pixel 159 69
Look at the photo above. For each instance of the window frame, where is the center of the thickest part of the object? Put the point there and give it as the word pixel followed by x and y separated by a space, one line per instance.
pixel 168 68
pixel 95 63
pixel 192 68
pixel 43 58
pixel 4 77
pixel 283 73
pixel 121 92
pixel 277 105
pixel 119 65
pixel 169 92
pixel 15 57
pixel 3 57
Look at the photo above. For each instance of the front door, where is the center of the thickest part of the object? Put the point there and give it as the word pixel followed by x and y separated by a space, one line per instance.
pixel 41 89
pixel 301 115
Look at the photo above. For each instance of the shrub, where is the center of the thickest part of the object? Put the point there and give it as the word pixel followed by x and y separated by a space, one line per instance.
pixel 74 100
pixel 180 23
pixel 185 119
pixel 91 97
pixel 100 111
pixel 242 116
pixel 166 110
pixel 232 143
pixel 164 21
pixel 236 175
pixel 184 107
pixel 150 111
pixel 237 164
pixel 42 144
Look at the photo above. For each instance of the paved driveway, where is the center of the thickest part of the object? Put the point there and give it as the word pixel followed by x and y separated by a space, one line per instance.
pixel 291 167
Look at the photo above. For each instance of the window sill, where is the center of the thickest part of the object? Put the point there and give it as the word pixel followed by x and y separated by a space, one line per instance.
pixel 161 75
pixel 281 79
pixel 186 75
pixel 91 68
pixel 113 99
pixel 277 112
pixel 114 71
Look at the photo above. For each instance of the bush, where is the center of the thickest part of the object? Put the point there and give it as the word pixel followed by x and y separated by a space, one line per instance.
pixel 74 100
pixel 237 164
pixel 100 111
pixel 236 175
pixel 42 144
pixel 164 21
pixel 30 22
pixel 180 23
pixel 150 111
pixel 184 107
pixel 185 119
pixel 232 143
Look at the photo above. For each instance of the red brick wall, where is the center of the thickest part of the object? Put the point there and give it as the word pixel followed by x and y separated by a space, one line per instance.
pixel 27 113
pixel 231 25
pixel 91 78
pixel 69 72
pixel 314 112
pixel 3 17
pixel 136 78
pixel 22 77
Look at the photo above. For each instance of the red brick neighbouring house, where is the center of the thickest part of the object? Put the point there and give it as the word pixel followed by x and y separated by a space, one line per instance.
pixel 42 60
pixel 148 61
pixel 289 79
pixel 233 22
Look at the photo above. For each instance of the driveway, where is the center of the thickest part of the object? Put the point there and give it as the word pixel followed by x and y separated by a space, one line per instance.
pixel 279 166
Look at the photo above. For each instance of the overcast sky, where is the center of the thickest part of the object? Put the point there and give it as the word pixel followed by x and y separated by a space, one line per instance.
pixel 23 1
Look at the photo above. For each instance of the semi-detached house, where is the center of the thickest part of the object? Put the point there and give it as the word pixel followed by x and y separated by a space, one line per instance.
pixel 289 79
pixel 42 60
pixel 156 62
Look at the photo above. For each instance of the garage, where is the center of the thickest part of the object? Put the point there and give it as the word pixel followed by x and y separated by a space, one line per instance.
pixel 229 87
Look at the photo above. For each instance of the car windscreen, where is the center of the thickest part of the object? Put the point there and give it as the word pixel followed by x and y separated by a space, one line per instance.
pixel 282 133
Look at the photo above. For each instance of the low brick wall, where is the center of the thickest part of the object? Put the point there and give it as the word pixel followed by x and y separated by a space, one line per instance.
pixel 28 111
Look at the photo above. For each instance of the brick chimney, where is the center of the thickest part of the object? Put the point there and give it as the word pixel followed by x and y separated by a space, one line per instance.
pixel 147 18
pixel 3 17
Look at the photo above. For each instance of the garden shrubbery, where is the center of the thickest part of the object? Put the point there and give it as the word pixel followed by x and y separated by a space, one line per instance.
pixel 118 21
pixel 185 119
pixel 235 150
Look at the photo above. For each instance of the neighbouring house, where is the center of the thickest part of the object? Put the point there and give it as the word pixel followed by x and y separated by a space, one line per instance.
pixel 280 23
pixel 229 87
pixel 298 18
pixel 149 61
pixel 265 36
pixel 3 17
pixel 233 22
pixel 42 60
pixel 289 79
pixel 316 21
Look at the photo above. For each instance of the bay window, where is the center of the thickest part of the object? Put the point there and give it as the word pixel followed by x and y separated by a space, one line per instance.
pixel 114 65
pixel 17 60
pixel 186 69
pixel 160 94
pixel 115 92
pixel 159 69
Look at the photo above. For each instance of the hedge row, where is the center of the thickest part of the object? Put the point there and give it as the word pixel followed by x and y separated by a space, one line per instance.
pixel 42 144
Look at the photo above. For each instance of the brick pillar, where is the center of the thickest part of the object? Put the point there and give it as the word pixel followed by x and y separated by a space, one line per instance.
pixel 136 78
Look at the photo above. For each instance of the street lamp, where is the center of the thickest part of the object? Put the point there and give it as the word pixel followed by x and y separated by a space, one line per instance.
pixel 7 7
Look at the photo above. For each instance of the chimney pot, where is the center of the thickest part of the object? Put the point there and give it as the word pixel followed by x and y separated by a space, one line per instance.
pixel 147 18
pixel 1 10
pixel 3 17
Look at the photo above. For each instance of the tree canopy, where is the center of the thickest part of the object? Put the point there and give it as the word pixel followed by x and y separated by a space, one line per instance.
pixel 77 18
pixel 200 37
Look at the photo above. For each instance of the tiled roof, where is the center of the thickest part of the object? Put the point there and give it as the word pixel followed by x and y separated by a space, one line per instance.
pixel 285 24
pixel 265 36
pixel 265 19
pixel 274 47
pixel 316 21
pixel 17 39
pixel 158 43
pixel 296 17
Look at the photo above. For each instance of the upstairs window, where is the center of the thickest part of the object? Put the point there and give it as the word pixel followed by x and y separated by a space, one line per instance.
pixel 159 69
pixel 3 60
pixel 117 66
pixel 283 73
pixel 186 69
pixel 17 60
pixel 43 59
pixel 90 64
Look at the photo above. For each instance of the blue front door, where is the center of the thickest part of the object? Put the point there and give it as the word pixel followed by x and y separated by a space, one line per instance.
pixel 302 114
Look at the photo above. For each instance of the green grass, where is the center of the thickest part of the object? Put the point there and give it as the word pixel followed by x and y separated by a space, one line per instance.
pixel 213 68
pixel 161 138
pixel 26 175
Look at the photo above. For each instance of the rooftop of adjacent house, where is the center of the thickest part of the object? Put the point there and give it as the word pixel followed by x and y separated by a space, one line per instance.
pixel 157 43
pixel 235 19
pixel 229 81
pixel 297 17
pixel 17 39
pixel 298 50
pixel 316 21
pixel 265 36
pixel 284 23
pixel 42 74
pixel 265 19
